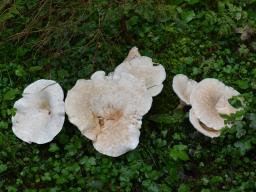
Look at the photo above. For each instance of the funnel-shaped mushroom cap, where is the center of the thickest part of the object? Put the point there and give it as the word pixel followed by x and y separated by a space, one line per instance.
pixel 201 127
pixel 108 111
pixel 40 112
pixel 210 98
pixel 145 70
pixel 183 87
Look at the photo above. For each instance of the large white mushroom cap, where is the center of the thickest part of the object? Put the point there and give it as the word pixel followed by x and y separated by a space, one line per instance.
pixel 145 70
pixel 183 87
pixel 108 110
pixel 209 99
pixel 40 112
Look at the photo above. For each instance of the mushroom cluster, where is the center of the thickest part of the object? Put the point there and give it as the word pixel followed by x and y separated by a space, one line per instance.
pixel 108 109
pixel 209 100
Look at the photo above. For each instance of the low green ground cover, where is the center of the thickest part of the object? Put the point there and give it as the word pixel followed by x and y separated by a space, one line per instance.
pixel 66 40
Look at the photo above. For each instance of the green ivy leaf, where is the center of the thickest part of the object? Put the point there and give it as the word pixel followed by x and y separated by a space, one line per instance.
pixel 252 119
pixel 188 16
pixel 243 146
pixel 53 148
pixel 216 180
pixel 183 188
pixel 3 168
pixel 21 51
pixel 35 69
pixel 167 119
pixel 87 161
pixel 254 73
pixel 20 72
pixel 192 2
pixel 178 152
pixel 243 84
pixel 11 94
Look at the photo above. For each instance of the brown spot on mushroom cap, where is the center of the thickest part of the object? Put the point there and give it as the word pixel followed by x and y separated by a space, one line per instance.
pixel 110 118
pixel 115 141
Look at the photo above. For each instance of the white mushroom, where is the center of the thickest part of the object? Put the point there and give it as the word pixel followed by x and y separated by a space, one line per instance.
pixel 209 99
pixel 109 110
pixel 202 128
pixel 40 112
pixel 145 70
pixel 183 87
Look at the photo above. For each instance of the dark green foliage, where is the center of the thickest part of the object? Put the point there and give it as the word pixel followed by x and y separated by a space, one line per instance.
pixel 66 40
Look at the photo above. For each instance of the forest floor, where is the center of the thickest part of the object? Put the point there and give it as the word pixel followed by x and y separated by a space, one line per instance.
pixel 69 40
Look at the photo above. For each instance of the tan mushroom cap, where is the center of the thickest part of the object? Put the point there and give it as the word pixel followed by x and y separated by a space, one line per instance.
pixel 118 137
pixel 201 127
pixel 98 75
pixel 210 98
pixel 145 70
pixel 108 111
pixel 40 112
pixel 134 52
pixel 183 87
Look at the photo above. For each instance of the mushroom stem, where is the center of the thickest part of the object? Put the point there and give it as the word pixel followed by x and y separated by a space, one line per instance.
pixel 181 105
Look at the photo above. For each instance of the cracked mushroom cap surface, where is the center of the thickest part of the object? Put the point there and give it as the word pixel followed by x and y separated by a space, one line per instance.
pixel 145 70
pixel 183 87
pixel 40 113
pixel 209 99
pixel 109 110
pixel 199 126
